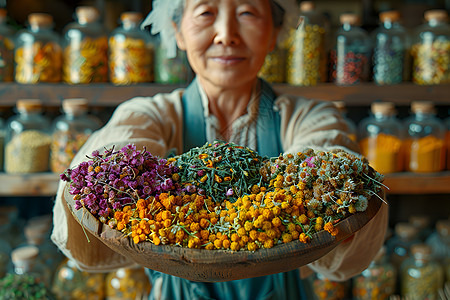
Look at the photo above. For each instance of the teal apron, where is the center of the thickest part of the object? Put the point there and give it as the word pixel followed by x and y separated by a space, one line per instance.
pixel 277 286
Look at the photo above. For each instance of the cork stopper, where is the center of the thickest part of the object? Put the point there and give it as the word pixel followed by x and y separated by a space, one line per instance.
pixel 349 18
pixel 86 14
pixel 29 105
pixel 405 230
pixel 24 254
pixel 421 251
pixel 422 107
pixel 131 16
pixel 443 227
pixel 420 222
pixel 436 14
pixel 306 6
pixel 391 15
pixel 384 108
pixel 75 105
pixel 40 20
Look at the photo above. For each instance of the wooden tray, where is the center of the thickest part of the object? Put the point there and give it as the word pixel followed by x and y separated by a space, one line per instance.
pixel 221 265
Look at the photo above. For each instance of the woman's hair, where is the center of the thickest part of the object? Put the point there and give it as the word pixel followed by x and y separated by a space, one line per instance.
pixel 285 15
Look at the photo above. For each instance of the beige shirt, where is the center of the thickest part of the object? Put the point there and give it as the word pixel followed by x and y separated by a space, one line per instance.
pixel 156 123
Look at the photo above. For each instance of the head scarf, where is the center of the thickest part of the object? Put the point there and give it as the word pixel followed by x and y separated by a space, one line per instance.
pixel 164 12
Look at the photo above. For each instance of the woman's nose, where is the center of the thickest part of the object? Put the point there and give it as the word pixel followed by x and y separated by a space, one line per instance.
pixel 227 32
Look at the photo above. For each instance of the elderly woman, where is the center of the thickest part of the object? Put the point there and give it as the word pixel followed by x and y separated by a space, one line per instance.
pixel 226 42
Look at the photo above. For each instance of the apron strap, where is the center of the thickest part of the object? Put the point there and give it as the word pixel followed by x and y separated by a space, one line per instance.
pixel 267 124
pixel 194 132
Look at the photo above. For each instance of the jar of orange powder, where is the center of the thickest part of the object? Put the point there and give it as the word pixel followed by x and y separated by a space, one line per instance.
pixel 425 144
pixel 381 138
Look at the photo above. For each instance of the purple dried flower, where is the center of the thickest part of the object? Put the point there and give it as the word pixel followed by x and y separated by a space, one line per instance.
pixel 230 192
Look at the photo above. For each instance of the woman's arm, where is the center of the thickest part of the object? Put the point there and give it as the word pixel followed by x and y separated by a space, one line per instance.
pixel 152 123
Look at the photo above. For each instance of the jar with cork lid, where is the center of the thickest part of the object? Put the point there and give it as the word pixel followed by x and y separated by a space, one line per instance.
pixel 27 143
pixel 431 49
pixel 85 47
pixel 350 55
pixel 306 62
pixel 6 49
pixel 399 245
pixel 421 275
pixel 425 141
pixel 26 262
pixel 38 53
pixel 70 131
pixel 390 49
pixel 381 138
pixel 378 281
pixel 131 52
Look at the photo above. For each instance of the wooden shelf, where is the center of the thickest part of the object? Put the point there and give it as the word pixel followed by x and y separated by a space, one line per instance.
pixel 25 185
pixel 46 184
pixel 105 94
pixel 413 183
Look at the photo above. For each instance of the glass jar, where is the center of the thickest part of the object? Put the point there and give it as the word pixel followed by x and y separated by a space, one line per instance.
pixel 431 49
pixel 85 48
pixel 70 131
pixel 381 138
pixel 38 54
pixel 174 70
pixel 425 142
pixel 423 225
pixel 131 52
pixel 70 283
pixel 399 246
pixel 306 62
pixel 439 241
pixel 350 56
pixel 390 50
pixel 2 141
pixel 37 234
pixel 351 126
pixel 6 49
pixel 28 139
pixel 26 261
pixel 421 275
pixel 274 67
pixel 378 281
pixel 326 289
pixel 127 283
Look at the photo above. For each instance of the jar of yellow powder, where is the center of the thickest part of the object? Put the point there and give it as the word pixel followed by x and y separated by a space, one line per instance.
pixel 425 144
pixel 381 138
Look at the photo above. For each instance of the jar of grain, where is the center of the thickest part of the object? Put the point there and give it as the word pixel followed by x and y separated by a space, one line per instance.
pixel 70 131
pixel 425 143
pixel 306 60
pixel 421 275
pixel 431 49
pixel 128 283
pixel 380 138
pixel 28 139
pixel 85 47
pixel 38 54
pixel 131 52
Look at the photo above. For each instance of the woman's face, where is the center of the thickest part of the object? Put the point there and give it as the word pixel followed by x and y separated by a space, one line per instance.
pixel 226 41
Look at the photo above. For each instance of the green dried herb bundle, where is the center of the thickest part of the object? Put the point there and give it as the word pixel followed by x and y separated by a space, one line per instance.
pixel 220 170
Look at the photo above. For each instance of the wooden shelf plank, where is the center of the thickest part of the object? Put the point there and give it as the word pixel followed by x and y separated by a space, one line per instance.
pixel 46 184
pixel 106 94
pixel 413 183
pixel 24 185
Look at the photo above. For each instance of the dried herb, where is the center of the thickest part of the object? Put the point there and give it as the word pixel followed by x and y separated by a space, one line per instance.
pixel 220 170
